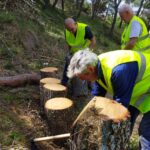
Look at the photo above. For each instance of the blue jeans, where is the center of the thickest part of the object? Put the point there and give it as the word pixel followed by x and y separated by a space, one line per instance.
pixel 144 128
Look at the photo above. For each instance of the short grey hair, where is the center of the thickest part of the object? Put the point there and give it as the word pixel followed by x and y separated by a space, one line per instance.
pixel 69 21
pixel 80 61
pixel 125 7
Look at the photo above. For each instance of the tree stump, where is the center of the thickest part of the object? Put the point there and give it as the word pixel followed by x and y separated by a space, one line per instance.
pixel 42 83
pixel 58 112
pixel 102 125
pixel 52 91
pixel 49 72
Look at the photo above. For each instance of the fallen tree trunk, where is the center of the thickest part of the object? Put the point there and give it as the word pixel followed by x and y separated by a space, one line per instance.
pixel 103 124
pixel 20 80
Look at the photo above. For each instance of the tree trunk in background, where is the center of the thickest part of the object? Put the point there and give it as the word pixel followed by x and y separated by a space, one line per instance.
pixel 62 5
pixel 55 2
pixel 140 7
pixel 116 5
pixel 46 4
pixel 93 10
pixel 80 9
pixel 77 4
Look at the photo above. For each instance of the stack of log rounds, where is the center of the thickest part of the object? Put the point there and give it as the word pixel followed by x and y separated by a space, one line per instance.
pixel 59 111
pixel 103 124
pixel 42 83
pixel 53 90
pixel 49 72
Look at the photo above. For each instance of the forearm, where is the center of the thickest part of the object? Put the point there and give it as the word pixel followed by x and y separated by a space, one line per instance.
pixel 130 45
pixel 93 43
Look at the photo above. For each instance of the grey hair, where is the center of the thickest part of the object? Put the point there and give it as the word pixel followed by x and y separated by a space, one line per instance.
pixel 125 7
pixel 69 21
pixel 80 61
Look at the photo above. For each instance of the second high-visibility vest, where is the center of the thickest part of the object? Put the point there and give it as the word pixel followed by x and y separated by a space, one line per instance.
pixel 77 42
pixel 141 92
pixel 143 42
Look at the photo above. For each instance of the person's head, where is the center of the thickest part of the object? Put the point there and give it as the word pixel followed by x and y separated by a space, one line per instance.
pixel 70 25
pixel 125 12
pixel 83 65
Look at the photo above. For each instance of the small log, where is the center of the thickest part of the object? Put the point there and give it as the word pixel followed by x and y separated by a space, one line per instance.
pixel 103 124
pixel 49 72
pixel 53 137
pixel 52 91
pixel 20 80
pixel 42 83
pixel 58 112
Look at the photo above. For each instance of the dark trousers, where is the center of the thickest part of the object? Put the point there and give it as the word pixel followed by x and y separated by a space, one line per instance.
pixel 65 79
pixel 144 128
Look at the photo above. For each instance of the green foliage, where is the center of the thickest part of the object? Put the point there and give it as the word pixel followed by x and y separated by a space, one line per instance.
pixel 6 17
pixel 15 136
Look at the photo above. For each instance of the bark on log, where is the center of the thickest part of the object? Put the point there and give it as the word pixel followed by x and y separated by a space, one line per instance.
pixel 79 87
pixel 52 91
pixel 20 80
pixel 42 83
pixel 59 111
pixel 103 124
pixel 49 72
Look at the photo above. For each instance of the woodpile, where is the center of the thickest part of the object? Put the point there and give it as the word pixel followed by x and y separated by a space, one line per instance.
pixel 42 95
pixel 103 124
pixel 53 103
pixel 52 91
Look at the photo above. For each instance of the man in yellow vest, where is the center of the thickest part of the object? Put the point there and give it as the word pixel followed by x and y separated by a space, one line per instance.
pixel 78 36
pixel 135 35
pixel 125 75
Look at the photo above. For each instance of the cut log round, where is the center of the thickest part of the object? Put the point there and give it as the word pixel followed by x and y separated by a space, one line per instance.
pixel 49 72
pixel 52 91
pixel 103 124
pixel 49 81
pixel 59 111
pixel 42 83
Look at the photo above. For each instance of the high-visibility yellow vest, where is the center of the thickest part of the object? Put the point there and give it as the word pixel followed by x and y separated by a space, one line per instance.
pixel 141 92
pixel 77 42
pixel 143 42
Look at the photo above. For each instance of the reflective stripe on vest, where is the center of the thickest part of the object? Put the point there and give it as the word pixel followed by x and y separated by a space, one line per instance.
pixel 142 68
pixel 142 98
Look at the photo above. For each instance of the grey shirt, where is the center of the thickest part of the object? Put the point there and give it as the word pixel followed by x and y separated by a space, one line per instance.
pixel 136 29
